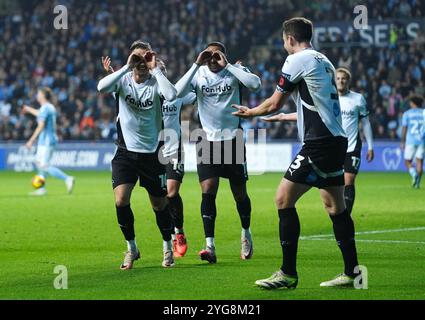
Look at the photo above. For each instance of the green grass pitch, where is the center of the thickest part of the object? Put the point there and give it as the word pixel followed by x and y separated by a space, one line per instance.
pixel 80 232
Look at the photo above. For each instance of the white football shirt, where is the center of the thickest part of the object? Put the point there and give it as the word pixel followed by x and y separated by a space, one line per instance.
pixel 139 120
pixel 310 76
pixel 216 92
pixel 171 114
pixel 353 108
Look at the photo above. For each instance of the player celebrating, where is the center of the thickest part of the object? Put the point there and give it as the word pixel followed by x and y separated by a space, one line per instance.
pixel 310 77
pixel 412 139
pixel 139 87
pixel 173 157
pixel 353 110
pixel 217 86
pixel 47 140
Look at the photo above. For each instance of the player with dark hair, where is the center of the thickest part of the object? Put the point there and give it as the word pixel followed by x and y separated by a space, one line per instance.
pixel 173 157
pixel 309 77
pixel 220 149
pixel 140 87
pixel 45 134
pixel 413 139
pixel 354 111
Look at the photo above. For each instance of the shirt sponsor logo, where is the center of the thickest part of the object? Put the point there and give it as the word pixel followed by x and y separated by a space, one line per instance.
pixel 147 104
pixel 225 89
pixel 169 108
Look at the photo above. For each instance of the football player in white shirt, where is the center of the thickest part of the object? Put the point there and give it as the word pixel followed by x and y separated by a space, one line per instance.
pixel 354 111
pixel 221 149
pixel 309 77
pixel 173 155
pixel 139 87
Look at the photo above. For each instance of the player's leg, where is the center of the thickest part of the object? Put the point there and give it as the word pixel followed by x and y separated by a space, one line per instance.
pixel 409 153
pixel 351 169
pixel 209 188
pixel 163 220
pixel 419 170
pixel 243 205
pixel 176 209
pixel 287 195
pixel 124 177
pixel 58 173
pixel 41 166
pixel 343 226
pixel 419 165
pixel 349 190
pixel 125 216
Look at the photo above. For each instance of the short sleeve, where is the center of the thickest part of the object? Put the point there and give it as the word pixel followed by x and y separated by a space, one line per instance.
pixel 363 110
pixel 43 113
pixel 292 73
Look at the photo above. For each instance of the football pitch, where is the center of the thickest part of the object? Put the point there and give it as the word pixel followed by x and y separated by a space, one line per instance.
pixel 80 232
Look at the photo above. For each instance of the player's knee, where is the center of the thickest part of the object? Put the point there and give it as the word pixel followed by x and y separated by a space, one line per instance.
pixel 282 201
pixel 173 191
pixel 159 204
pixel 121 202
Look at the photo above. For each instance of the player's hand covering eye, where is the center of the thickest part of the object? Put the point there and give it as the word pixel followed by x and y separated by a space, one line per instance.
pixel 134 60
pixel 204 57
pixel 221 59
pixel 150 58
pixel 242 111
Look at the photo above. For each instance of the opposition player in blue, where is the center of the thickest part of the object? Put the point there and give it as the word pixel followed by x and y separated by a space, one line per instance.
pixel 413 139
pixel 45 135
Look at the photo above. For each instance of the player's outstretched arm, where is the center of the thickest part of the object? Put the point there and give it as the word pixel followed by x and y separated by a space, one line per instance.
pixel 32 111
pixel 281 117
pixel 367 130
pixel 270 105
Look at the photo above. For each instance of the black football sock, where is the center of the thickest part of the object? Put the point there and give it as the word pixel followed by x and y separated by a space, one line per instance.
pixel 209 213
pixel 176 210
pixel 126 222
pixel 163 221
pixel 289 231
pixel 349 195
pixel 244 210
pixel 343 227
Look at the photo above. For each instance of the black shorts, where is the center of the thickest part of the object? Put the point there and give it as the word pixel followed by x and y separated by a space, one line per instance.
pixel 225 159
pixel 352 162
pixel 175 171
pixel 128 167
pixel 320 163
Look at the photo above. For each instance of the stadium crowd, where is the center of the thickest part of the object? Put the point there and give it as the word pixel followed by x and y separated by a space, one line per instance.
pixel 34 54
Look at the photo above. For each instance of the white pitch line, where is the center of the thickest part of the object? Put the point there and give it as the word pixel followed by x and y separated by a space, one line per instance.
pixel 372 241
pixel 316 236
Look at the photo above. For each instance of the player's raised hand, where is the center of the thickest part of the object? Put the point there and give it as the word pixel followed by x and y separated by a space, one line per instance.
pixel 275 118
pixel 204 57
pixel 150 58
pixel 370 156
pixel 221 58
pixel 242 111
pixel 25 109
pixel 133 60
pixel 106 63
